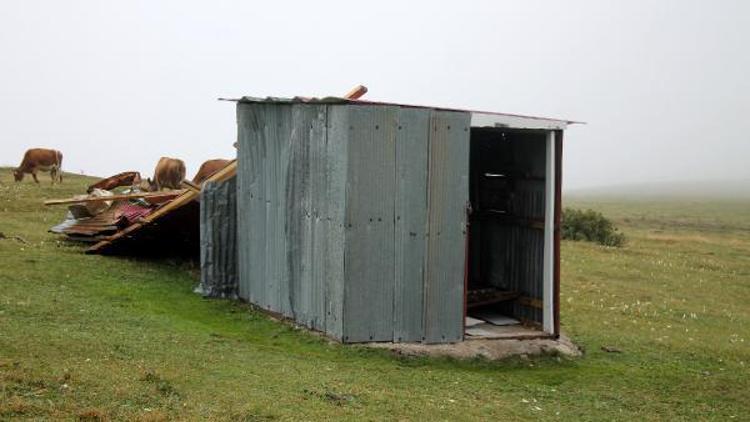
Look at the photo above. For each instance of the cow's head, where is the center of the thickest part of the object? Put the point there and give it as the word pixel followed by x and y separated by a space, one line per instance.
pixel 147 185
pixel 18 175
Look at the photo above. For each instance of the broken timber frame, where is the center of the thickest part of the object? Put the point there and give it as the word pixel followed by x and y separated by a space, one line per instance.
pixel 184 198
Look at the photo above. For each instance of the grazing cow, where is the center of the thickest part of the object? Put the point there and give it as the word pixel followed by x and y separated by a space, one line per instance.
pixel 40 159
pixel 126 178
pixel 208 168
pixel 169 173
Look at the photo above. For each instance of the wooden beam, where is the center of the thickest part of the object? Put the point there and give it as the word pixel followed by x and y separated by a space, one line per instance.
pixel 530 302
pixel 187 184
pixel 482 299
pixel 146 195
pixel 225 173
pixel 356 93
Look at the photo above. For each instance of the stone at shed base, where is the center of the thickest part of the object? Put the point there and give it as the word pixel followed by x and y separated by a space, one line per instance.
pixel 490 349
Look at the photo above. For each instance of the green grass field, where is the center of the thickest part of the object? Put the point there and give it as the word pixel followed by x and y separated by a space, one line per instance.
pixel 114 338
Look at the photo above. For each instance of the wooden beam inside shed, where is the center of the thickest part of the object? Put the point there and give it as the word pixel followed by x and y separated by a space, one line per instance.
pixel 145 195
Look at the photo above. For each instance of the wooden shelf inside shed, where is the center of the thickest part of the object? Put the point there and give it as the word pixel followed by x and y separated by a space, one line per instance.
pixel 489 296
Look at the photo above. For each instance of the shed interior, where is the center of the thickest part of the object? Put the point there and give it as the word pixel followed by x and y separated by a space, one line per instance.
pixel 505 279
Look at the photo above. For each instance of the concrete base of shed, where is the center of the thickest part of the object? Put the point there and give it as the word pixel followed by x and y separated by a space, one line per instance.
pixel 493 349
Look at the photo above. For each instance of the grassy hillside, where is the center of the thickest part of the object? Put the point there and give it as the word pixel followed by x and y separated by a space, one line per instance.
pixel 686 190
pixel 116 338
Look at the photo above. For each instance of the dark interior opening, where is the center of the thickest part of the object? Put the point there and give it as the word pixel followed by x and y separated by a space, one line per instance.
pixel 506 235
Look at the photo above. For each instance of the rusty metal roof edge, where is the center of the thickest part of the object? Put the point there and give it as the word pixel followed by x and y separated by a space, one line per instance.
pixel 340 100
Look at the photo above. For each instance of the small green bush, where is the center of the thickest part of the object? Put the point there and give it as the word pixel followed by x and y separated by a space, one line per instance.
pixel 591 226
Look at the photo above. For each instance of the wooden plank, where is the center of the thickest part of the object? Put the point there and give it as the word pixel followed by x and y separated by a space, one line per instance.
pixel 228 171
pixel 187 184
pixel 356 92
pixel 145 195
pixel 477 298
pixel 502 218
pixel 530 302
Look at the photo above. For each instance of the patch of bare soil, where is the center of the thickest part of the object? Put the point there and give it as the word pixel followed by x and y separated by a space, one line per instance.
pixel 492 349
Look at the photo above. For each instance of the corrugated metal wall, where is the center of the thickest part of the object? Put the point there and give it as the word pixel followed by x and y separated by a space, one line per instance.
pixel 448 197
pixel 526 242
pixel 218 239
pixel 370 247
pixel 351 218
pixel 508 247
pixel 291 190
pixel 412 146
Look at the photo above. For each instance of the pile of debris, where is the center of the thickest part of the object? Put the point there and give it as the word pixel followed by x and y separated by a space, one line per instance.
pixel 118 216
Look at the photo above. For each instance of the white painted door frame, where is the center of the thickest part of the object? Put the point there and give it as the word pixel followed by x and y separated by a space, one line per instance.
pixel 548 321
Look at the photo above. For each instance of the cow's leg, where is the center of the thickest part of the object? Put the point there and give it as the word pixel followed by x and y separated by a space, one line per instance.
pixel 33 174
pixel 53 175
pixel 58 175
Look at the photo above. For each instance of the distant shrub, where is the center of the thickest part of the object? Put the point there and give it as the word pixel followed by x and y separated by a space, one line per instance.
pixel 591 226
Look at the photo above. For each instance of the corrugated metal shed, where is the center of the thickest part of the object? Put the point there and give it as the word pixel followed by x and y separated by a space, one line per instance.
pixel 352 216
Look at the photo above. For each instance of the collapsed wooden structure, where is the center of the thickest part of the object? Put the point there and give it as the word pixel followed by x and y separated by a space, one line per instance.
pixel 168 226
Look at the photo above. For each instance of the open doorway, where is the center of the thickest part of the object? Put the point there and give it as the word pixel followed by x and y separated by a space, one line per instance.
pixel 505 295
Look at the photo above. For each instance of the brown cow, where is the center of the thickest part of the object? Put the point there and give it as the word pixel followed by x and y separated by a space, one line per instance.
pixel 208 168
pixel 169 173
pixel 126 178
pixel 40 159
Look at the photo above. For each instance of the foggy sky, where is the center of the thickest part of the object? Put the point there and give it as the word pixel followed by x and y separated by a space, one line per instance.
pixel 664 86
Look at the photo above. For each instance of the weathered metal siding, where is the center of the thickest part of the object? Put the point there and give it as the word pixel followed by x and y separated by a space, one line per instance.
pixel 448 196
pixel 218 239
pixel 336 164
pixel 250 154
pixel 291 193
pixel 304 199
pixel 351 218
pixel 370 198
pixel 264 140
pixel 412 141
